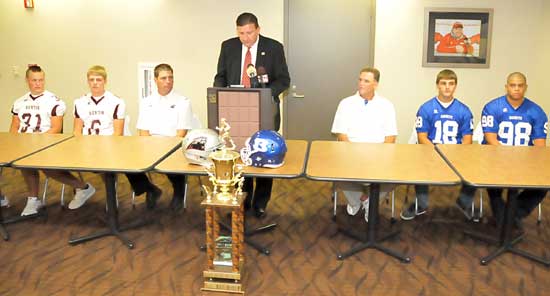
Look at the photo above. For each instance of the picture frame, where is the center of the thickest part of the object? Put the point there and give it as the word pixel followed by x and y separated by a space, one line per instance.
pixel 29 3
pixel 457 37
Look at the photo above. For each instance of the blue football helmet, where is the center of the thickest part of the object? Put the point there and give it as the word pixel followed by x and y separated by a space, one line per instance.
pixel 265 148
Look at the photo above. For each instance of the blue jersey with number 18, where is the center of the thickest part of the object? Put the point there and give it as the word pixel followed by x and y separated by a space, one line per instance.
pixel 444 125
pixel 514 127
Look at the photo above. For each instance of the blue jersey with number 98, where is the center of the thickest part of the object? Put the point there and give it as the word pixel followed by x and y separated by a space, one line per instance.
pixel 514 127
pixel 444 125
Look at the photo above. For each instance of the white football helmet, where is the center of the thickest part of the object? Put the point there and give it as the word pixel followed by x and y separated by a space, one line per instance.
pixel 199 143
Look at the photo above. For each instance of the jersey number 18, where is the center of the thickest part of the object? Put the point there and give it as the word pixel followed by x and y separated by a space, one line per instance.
pixel 445 132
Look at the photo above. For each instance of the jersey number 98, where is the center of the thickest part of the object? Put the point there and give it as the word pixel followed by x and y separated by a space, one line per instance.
pixel 487 121
pixel 514 134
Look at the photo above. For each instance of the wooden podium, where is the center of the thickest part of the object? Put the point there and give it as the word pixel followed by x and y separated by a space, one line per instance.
pixel 247 109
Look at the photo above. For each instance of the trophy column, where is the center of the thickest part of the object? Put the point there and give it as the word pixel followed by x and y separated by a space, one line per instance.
pixel 225 255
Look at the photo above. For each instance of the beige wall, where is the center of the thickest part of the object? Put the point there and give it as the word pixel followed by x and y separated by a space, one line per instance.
pixel 543 86
pixel 67 37
pixel 516 46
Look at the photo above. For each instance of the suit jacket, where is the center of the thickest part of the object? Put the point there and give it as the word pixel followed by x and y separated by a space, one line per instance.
pixel 270 55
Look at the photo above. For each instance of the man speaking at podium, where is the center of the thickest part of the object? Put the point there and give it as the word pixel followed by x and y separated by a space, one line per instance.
pixel 268 57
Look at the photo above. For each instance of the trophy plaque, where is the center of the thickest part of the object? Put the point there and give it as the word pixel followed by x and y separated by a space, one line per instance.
pixel 224 254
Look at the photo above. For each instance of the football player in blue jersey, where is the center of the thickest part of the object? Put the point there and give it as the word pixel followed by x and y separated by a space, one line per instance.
pixel 443 120
pixel 514 120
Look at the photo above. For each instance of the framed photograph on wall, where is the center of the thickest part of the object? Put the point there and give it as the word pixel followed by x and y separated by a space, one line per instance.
pixel 457 38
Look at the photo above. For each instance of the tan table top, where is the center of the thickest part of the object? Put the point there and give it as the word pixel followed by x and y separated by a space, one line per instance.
pixel 15 146
pixel 293 167
pixel 500 166
pixel 378 163
pixel 103 154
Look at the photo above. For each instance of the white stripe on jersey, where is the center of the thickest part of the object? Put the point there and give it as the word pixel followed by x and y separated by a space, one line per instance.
pixel 35 113
pixel 98 114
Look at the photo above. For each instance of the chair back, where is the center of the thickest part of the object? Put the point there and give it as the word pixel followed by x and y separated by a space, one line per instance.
pixel 195 122
pixel 478 134
pixel 126 131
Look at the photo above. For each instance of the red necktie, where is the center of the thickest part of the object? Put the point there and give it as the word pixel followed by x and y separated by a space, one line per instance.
pixel 247 61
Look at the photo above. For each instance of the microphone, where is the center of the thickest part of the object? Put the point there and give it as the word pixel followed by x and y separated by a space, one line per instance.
pixel 262 76
pixel 251 71
pixel 253 75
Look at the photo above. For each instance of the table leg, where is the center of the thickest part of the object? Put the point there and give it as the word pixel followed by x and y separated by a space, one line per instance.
pixel 15 219
pixel 113 227
pixel 3 231
pixel 371 241
pixel 506 242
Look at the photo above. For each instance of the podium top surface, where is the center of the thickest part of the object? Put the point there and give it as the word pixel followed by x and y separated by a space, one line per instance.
pixel 500 166
pixel 293 167
pixel 378 163
pixel 103 154
pixel 16 146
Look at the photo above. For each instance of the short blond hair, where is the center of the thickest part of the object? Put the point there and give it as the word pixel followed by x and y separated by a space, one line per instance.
pixel 446 74
pixel 97 70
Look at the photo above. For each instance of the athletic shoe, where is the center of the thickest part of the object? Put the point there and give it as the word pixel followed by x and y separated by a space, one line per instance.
pixel 81 196
pixel 32 206
pixel 412 211
pixel 4 201
pixel 353 210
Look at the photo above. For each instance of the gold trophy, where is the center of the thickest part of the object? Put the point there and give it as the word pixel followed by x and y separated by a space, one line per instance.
pixel 225 173
pixel 224 254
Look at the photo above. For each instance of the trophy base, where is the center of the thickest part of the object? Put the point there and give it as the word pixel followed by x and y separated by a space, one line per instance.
pixel 235 288
pixel 223 279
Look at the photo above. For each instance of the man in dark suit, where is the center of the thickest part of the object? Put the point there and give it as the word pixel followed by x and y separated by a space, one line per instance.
pixel 236 54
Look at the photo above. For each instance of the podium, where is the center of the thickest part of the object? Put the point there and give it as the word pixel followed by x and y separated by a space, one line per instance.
pixel 248 110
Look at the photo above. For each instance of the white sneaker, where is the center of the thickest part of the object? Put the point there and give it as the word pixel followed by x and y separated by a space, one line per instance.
pixel 353 210
pixel 4 201
pixel 32 207
pixel 81 196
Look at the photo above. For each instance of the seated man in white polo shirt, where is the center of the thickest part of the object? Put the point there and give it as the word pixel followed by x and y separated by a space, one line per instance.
pixel 167 114
pixel 364 117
